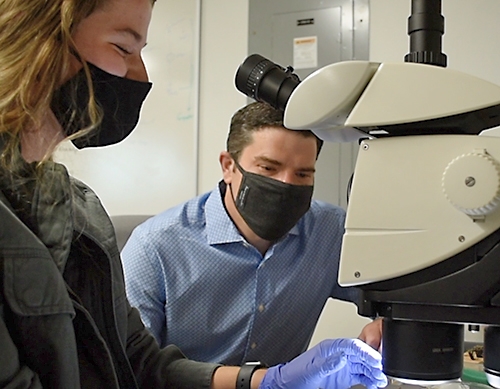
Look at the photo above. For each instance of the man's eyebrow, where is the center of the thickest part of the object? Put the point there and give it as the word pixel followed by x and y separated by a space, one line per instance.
pixel 268 160
pixel 278 163
pixel 307 169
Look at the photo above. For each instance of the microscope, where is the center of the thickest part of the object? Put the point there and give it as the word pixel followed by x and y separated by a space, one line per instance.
pixel 422 233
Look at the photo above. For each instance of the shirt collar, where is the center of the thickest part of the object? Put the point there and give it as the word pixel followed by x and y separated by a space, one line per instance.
pixel 220 227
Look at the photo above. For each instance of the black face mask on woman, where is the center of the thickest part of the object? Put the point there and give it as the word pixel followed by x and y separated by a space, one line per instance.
pixel 119 98
pixel 271 207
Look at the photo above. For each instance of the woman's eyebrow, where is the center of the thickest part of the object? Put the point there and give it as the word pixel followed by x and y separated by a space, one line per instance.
pixel 130 31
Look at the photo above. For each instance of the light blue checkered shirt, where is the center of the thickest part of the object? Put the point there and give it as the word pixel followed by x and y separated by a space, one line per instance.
pixel 200 285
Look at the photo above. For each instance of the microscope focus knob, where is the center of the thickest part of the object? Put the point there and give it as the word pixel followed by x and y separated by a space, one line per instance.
pixel 471 182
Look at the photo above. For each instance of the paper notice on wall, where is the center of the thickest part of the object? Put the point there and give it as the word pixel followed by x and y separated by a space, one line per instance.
pixel 305 52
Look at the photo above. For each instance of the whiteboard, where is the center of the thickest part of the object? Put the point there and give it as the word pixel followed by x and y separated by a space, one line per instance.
pixel 156 166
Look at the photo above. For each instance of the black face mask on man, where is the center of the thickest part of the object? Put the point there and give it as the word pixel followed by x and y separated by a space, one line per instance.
pixel 271 207
pixel 119 98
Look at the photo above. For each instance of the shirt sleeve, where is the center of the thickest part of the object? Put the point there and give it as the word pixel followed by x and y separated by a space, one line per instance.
pixel 145 283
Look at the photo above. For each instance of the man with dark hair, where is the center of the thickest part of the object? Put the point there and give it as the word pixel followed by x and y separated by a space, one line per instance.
pixel 242 273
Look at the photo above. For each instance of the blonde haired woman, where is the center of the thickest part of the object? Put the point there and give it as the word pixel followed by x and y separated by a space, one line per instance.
pixel 73 68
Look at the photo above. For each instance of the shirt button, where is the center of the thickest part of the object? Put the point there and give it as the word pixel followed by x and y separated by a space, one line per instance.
pixel 253 345
pixel 261 308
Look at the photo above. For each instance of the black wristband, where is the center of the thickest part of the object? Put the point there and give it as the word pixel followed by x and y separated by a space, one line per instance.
pixel 246 372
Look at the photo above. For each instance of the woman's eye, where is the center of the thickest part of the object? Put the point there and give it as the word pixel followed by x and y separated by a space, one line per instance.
pixel 122 49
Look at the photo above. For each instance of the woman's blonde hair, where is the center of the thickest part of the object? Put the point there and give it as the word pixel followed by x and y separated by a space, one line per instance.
pixel 35 49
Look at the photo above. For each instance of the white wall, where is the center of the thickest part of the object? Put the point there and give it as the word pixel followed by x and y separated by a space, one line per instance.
pixel 224 36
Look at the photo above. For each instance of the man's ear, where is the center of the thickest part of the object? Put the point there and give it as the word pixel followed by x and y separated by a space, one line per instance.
pixel 227 165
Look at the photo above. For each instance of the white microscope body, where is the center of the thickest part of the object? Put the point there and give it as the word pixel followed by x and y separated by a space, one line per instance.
pixel 423 218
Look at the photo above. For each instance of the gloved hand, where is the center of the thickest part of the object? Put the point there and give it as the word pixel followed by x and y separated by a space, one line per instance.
pixel 331 364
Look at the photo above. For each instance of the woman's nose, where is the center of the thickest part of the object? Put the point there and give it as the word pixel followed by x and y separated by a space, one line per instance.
pixel 137 70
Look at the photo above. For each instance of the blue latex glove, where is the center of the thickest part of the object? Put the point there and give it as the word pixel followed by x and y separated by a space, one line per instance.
pixel 331 364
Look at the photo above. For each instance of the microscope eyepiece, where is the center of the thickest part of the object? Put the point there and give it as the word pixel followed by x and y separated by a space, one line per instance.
pixel 265 81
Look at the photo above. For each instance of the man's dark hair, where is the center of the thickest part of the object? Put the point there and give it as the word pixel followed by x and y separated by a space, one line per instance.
pixel 251 118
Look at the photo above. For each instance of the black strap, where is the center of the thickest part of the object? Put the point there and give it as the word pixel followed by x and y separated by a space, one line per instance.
pixel 246 372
